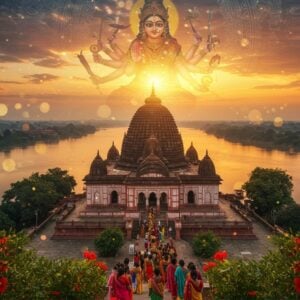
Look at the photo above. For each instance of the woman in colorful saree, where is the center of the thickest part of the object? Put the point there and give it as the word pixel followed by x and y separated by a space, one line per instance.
pixel 193 287
pixel 136 272
pixel 121 285
pixel 156 286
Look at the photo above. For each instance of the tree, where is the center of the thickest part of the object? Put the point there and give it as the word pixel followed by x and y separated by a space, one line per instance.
pixel 289 217
pixel 206 244
pixel 5 222
pixel 109 242
pixel 29 197
pixel 64 183
pixel 269 189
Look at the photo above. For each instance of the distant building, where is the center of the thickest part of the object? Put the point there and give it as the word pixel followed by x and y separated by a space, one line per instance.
pixel 152 171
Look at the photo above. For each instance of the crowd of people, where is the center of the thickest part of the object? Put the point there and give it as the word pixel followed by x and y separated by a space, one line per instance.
pixel 159 267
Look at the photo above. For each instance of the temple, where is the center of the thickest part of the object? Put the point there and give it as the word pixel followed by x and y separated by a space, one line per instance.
pixel 152 171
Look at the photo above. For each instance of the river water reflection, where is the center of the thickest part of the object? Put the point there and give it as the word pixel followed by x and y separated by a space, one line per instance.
pixel 233 162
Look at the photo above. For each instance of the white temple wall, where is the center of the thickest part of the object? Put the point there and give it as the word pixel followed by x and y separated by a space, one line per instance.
pixel 101 194
pixel 204 194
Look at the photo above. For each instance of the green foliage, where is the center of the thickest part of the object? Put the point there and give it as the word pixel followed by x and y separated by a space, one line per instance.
pixel 109 242
pixel 31 199
pixel 34 277
pixel 289 217
pixel 206 244
pixel 269 189
pixel 5 222
pixel 270 278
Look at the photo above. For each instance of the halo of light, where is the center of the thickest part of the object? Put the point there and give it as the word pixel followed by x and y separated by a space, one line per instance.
pixel 121 4
pixel 255 116
pixel 18 106
pixel 245 42
pixel 104 111
pixel 44 107
pixel 8 165
pixel 135 20
pixel 25 127
pixel 278 122
pixel 40 148
pixel 3 109
pixel 43 237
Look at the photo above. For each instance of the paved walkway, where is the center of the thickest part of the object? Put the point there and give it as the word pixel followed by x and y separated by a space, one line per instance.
pixel 251 249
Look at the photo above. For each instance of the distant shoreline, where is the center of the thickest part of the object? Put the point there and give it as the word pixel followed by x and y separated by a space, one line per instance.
pixel 266 136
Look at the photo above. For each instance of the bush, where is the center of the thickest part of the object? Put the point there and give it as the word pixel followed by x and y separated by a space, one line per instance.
pixel 109 242
pixel 206 244
pixel 273 277
pixel 25 275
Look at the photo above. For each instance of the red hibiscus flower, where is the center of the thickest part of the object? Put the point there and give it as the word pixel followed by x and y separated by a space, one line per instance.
pixel 55 293
pixel 220 255
pixel 297 241
pixel 90 255
pixel 252 294
pixel 208 266
pixel 3 284
pixel 3 240
pixel 102 265
pixel 297 284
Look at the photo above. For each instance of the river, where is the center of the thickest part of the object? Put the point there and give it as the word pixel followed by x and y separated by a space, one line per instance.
pixel 233 162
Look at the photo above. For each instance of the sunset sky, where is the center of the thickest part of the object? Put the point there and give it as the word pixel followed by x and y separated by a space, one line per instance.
pixel 42 79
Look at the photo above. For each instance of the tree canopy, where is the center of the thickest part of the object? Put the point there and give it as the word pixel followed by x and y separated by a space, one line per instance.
pixel 269 190
pixel 29 201
pixel 289 217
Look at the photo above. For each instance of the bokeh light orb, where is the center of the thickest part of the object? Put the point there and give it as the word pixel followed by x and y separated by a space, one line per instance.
pixel 278 122
pixel 44 107
pixel 18 106
pixel 40 148
pixel 3 109
pixel 245 42
pixel 43 237
pixel 8 165
pixel 104 111
pixel 255 117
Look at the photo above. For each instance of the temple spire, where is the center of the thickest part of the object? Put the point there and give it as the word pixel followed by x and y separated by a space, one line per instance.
pixel 153 99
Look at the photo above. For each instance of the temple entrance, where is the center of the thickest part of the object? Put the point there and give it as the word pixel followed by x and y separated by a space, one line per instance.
pixel 163 202
pixel 152 200
pixel 191 197
pixel 141 201
pixel 114 198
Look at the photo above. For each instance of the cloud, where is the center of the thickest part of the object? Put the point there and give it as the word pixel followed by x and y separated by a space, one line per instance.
pixel 51 62
pixel 9 58
pixel 291 85
pixel 41 78
pixel 11 82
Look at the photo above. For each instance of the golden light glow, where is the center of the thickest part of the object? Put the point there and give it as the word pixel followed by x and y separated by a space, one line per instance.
pixel 40 148
pixel 173 16
pixel 9 165
pixel 3 110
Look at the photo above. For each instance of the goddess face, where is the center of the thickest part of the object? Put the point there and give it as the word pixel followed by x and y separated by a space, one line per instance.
pixel 154 27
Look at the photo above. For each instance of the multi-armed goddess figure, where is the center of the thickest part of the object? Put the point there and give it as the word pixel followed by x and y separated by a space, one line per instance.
pixel 154 52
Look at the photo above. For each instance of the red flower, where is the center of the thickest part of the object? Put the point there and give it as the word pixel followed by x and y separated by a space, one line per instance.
pixel 297 267
pixel 3 240
pixel 297 241
pixel 3 284
pixel 252 294
pixel 297 284
pixel 220 255
pixel 55 293
pixel 90 255
pixel 77 287
pixel 102 265
pixel 208 266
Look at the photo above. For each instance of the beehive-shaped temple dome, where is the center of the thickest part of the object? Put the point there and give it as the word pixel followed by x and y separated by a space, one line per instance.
pixel 152 119
pixel 206 167
pixel 192 155
pixel 113 153
pixel 98 166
